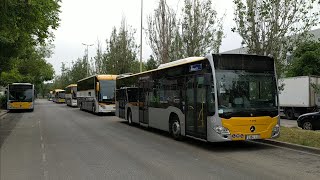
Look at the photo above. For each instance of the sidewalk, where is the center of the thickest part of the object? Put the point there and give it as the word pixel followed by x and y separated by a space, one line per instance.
pixel 288 123
pixel 3 112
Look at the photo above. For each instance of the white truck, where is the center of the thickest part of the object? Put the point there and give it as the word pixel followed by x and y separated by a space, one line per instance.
pixel 298 95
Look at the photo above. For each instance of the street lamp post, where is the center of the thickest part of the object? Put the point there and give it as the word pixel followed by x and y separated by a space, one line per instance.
pixel 141 36
pixel 87 53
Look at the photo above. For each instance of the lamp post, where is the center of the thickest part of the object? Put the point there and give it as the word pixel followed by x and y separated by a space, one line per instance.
pixel 141 36
pixel 87 52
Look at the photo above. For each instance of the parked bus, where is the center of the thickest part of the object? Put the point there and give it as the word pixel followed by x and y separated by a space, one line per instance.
pixel 20 96
pixel 220 97
pixel 71 95
pixel 97 93
pixel 50 96
pixel 59 96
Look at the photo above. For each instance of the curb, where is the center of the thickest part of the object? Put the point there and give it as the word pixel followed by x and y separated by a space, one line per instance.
pixel 3 113
pixel 292 146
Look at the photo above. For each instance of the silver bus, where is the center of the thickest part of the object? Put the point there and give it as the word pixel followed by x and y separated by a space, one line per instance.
pixel 220 97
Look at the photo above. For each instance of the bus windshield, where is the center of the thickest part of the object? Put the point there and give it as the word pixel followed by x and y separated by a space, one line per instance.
pixel 241 92
pixel 107 88
pixel 74 92
pixel 20 93
pixel 61 95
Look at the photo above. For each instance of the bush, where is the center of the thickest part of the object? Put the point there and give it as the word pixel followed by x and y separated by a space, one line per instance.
pixel 3 101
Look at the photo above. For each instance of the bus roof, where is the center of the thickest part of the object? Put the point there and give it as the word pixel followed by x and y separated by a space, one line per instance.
pixel 102 77
pixel 21 84
pixel 58 90
pixel 72 85
pixel 170 64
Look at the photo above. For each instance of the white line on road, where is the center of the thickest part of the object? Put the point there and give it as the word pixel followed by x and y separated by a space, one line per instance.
pixel 44 158
pixel 45 174
pixel 42 146
pixel 41 138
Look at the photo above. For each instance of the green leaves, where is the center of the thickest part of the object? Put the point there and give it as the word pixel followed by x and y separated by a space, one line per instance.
pixel 272 27
pixel 306 60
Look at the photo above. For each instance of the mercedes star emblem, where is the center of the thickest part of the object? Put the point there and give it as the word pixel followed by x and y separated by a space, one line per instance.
pixel 252 128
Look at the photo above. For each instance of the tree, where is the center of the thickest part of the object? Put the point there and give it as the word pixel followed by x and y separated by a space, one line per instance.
pixel 121 53
pixel 98 59
pixel 151 63
pixel 273 27
pixel 160 32
pixel 306 60
pixel 201 28
pixel 25 24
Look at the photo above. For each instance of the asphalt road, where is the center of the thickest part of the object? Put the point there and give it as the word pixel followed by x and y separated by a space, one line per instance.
pixel 59 142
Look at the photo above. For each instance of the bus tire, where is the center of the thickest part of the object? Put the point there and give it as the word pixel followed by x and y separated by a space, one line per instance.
pixel 175 129
pixel 130 117
pixel 80 106
pixel 93 109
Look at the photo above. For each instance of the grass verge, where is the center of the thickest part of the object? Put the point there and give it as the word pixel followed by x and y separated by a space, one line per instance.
pixel 299 136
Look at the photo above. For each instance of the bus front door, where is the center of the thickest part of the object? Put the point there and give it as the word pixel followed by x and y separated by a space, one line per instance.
pixel 195 108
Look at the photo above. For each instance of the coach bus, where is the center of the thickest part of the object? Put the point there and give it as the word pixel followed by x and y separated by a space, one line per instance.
pixel 20 96
pixel 97 93
pixel 59 96
pixel 71 95
pixel 220 97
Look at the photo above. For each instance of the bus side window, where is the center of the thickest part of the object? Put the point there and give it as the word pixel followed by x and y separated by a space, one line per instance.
pixel 210 94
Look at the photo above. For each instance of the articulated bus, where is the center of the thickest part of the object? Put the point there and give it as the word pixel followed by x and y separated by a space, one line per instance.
pixel 71 95
pixel 20 96
pixel 220 97
pixel 59 96
pixel 97 93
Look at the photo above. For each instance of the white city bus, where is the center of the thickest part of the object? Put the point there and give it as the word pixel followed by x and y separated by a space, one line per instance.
pixel 20 96
pixel 71 95
pixel 220 97
pixel 97 93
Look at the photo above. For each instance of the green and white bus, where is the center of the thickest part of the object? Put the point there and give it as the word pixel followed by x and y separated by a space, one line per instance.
pixel 97 93
pixel 220 97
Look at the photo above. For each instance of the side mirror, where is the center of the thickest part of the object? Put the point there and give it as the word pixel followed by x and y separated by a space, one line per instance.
pixel 97 86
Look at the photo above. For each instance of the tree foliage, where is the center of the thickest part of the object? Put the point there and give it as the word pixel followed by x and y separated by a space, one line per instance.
pixel 160 32
pixel 25 40
pixel 121 52
pixel 273 27
pixel 306 60
pixel 202 30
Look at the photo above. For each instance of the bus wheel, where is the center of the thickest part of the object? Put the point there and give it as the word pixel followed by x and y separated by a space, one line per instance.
pixel 93 109
pixel 130 118
pixel 176 129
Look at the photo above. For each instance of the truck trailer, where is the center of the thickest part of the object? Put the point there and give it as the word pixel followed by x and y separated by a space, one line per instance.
pixel 298 95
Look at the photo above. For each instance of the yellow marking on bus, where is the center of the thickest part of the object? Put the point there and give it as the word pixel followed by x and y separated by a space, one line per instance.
pixel 21 105
pixel 72 85
pixel 241 125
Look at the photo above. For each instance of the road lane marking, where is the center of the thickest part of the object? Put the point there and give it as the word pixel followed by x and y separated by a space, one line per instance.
pixel 44 158
pixel 41 138
pixel 45 175
pixel 42 145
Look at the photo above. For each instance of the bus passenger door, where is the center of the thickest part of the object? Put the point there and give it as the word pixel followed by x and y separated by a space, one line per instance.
pixel 195 108
pixel 143 102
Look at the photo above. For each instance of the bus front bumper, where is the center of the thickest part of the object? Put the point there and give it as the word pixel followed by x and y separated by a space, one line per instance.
pixel 103 108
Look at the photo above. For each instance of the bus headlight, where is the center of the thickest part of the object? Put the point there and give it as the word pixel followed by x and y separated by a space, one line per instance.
pixel 276 131
pixel 222 130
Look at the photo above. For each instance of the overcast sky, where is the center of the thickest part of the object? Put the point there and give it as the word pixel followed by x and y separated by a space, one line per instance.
pixel 86 21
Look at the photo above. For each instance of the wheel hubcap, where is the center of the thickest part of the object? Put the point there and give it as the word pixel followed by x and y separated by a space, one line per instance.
pixel 176 128
pixel 307 125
